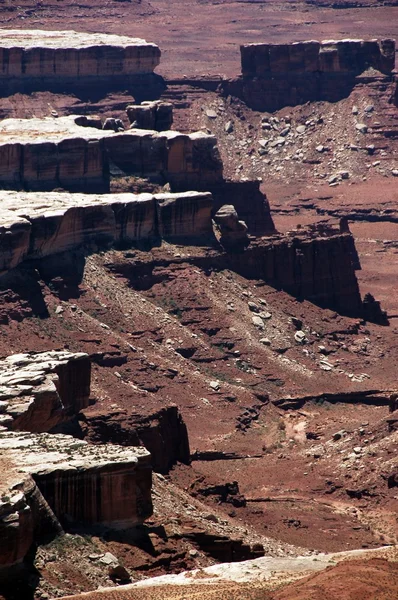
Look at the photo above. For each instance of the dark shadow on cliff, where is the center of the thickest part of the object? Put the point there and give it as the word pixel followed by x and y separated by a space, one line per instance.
pixel 139 536
pixel 21 294
pixel 63 273
pixel 92 89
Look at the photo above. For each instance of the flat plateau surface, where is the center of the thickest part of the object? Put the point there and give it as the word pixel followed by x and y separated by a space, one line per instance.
pixel 203 36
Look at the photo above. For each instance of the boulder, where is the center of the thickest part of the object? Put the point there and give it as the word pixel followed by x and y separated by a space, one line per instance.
pixel 233 233
pixel 156 115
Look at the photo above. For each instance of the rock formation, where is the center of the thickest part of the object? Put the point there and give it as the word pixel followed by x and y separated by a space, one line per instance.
pixel 38 391
pixel 55 479
pixel 277 75
pixel 155 115
pixel 58 60
pixel 34 225
pixel 305 264
pixel 249 201
pixel 233 233
pixel 43 154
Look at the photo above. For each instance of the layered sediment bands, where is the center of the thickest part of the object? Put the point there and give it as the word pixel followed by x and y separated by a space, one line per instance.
pixel 193 160
pixel 57 60
pixel 318 269
pixel 36 225
pixel 84 484
pixel 38 391
pixel 163 433
pixel 43 154
pixel 277 75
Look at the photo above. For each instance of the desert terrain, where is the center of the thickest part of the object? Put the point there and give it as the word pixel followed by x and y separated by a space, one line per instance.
pixel 256 362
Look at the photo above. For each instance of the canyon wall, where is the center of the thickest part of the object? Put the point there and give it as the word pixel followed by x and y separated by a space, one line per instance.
pixel 278 75
pixel 67 153
pixel 35 225
pixel 306 265
pixel 43 154
pixel 66 60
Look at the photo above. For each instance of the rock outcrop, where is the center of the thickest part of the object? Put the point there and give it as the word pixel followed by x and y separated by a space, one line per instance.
pixel 156 115
pixel 54 481
pixel 68 153
pixel 58 60
pixel 39 390
pixel 25 518
pixel 233 233
pixel 306 265
pixel 277 75
pixel 35 225
pixel 163 433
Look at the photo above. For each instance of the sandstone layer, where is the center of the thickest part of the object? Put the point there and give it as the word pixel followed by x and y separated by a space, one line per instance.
pixel 68 153
pixel 35 59
pixel 55 479
pixel 35 225
pixel 38 391
pixel 90 485
pixel 278 75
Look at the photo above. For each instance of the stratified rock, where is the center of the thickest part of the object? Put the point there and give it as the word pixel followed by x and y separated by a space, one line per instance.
pixel 84 484
pixel 48 153
pixel 192 160
pixel 184 216
pixel 57 222
pixel 156 115
pixel 39 390
pixel 58 60
pixel 277 75
pixel 233 232
pixel 52 479
pixel 25 517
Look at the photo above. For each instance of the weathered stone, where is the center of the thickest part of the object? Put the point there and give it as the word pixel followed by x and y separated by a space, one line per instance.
pixel 156 115
pixel 43 154
pixel 258 322
pixel 361 127
pixel 92 485
pixel 34 59
pixel 277 75
pixel 39 390
pixel 233 232
pixel 55 222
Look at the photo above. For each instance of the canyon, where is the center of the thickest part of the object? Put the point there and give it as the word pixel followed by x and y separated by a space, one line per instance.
pixel 197 301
